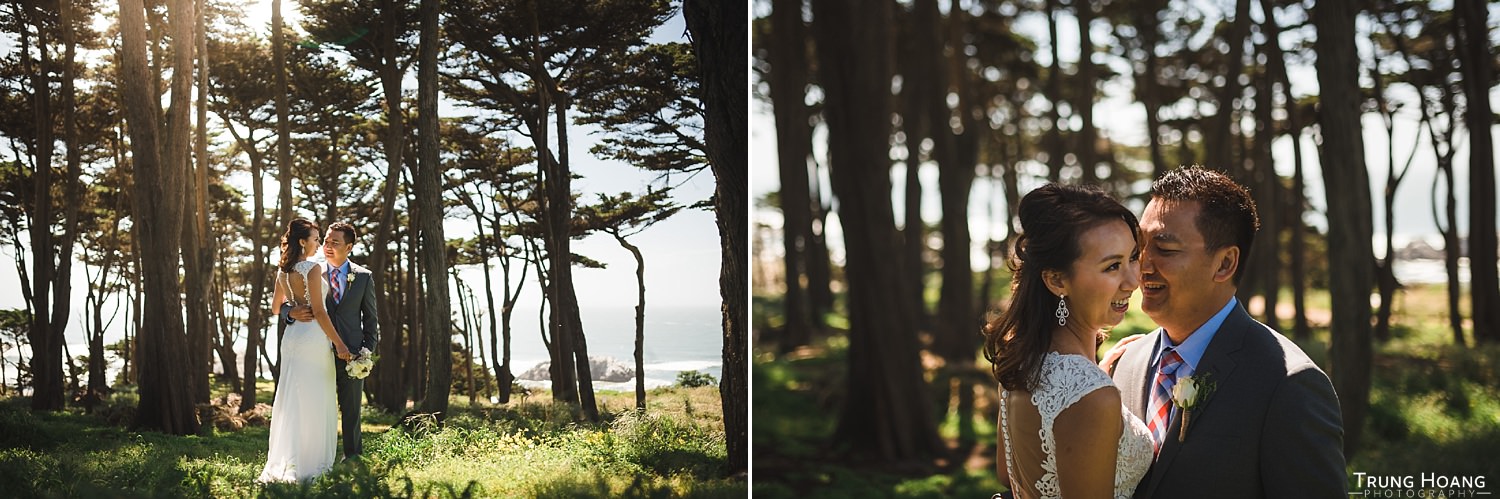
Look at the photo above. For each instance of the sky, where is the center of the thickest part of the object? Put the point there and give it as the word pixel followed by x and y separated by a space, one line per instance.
pixel 1123 120
pixel 681 253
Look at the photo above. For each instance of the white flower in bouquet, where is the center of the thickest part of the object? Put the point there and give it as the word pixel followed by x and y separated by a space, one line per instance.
pixel 363 363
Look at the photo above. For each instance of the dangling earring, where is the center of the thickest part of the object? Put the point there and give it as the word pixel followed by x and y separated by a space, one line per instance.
pixel 1062 311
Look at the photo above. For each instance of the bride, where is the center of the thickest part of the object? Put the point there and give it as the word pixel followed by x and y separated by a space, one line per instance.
pixel 1066 432
pixel 303 416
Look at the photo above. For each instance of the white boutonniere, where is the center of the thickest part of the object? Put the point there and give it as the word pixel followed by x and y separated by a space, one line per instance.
pixel 1189 394
pixel 349 280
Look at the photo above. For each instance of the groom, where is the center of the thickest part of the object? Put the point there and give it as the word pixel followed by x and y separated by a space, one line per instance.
pixel 1271 426
pixel 351 306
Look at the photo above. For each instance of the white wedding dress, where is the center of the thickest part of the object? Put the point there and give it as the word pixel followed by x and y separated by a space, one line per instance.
pixel 1064 380
pixel 304 415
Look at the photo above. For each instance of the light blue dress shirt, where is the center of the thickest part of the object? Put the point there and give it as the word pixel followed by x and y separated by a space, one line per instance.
pixel 1191 350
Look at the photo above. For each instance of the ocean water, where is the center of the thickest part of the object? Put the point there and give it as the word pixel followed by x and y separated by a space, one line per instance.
pixel 676 339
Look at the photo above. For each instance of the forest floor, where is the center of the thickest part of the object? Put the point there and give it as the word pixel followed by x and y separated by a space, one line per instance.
pixel 528 448
pixel 1434 408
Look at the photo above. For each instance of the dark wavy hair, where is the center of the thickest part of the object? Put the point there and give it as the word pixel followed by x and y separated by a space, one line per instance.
pixel 1226 212
pixel 291 242
pixel 1053 218
pixel 349 231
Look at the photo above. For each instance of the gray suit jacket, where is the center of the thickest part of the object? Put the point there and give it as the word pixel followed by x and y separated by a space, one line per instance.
pixel 1271 428
pixel 353 317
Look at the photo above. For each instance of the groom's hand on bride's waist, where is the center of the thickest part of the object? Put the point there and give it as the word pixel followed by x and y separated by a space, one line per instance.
pixel 302 313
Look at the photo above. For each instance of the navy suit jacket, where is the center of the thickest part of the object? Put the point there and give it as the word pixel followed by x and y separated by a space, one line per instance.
pixel 1271 428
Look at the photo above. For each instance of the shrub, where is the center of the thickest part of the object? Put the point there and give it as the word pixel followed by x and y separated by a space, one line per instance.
pixel 120 407
pixel 667 446
pixel 23 429
pixel 27 473
pixel 694 379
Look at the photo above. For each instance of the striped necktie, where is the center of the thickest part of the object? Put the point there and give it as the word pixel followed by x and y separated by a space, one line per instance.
pixel 1161 397
pixel 338 284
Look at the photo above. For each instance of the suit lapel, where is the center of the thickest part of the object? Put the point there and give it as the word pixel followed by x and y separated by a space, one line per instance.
pixel 1134 381
pixel 1135 370
pixel 361 278
pixel 1217 360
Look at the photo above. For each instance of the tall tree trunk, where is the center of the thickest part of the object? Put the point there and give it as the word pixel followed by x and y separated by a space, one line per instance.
pixel 390 74
pixel 165 400
pixel 72 386
pixel 255 322
pixel 197 255
pixel 416 362
pixel 793 146
pixel 1443 150
pixel 484 361
pixel 720 34
pixel 434 252
pixel 886 414
pixel 955 182
pixel 1148 31
pixel 1219 139
pixel 1473 46
pixel 73 192
pixel 1349 226
pixel 1297 203
pixel 1053 141
pixel 556 211
pixel 1447 224
pixel 1293 202
pixel 206 245
pixel 1264 260
pixel 46 330
pixel 94 332
pixel 502 372
pixel 1448 228
pixel 569 296
pixel 137 315
pixel 63 277
pixel 1088 135
pixel 464 306
pixel 936 74
pixel 388 389
pixel 283 122
pixel 992 244
pixel 508 300
pixel 640 320
pixel 819 271
pixel 926 107
pixel 224 345
pixel 1385 269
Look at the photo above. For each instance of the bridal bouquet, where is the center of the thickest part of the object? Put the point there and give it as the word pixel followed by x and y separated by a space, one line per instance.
pixel 363 363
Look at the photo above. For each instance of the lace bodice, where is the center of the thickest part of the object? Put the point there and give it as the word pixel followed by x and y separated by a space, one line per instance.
pixel 304 430
pixel 303 267
pixel 1064 380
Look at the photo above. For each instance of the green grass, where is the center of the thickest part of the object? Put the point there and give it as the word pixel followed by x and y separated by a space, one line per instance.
pixel 532 448
pixel 1434 405
pixel 797 401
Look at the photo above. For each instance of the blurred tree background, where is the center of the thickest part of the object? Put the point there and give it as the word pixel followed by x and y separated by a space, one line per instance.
pixel 901 135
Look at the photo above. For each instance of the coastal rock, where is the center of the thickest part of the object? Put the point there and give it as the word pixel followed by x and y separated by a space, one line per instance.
pixel 602 368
